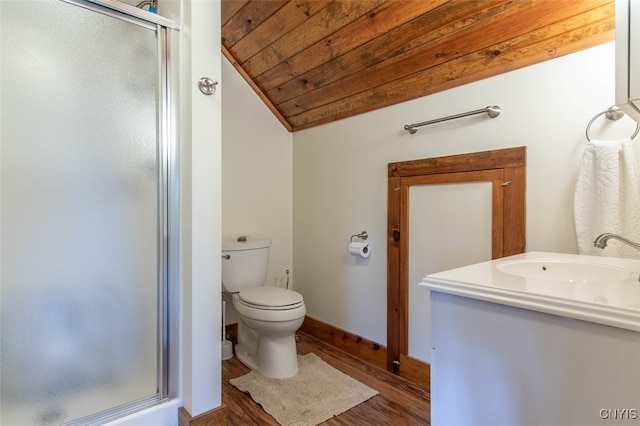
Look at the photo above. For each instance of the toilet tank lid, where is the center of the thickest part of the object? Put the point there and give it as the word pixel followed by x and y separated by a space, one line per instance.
pixel 249 244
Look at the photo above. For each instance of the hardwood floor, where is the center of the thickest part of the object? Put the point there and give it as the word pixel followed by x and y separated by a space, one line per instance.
pixel 398 402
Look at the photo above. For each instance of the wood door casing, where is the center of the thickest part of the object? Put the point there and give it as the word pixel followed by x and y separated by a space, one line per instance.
pixel 505 168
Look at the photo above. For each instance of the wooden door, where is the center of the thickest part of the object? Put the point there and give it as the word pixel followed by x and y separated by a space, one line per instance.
pixel 506 170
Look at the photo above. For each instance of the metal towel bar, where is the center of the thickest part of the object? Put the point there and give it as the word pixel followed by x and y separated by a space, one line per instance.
pixel 492 112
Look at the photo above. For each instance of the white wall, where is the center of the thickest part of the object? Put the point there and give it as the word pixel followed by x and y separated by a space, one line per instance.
pixel 201 212
pixel 340 173
pixel 256 176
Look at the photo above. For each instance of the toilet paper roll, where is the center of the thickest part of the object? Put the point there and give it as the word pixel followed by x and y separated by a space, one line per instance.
pixel 359 249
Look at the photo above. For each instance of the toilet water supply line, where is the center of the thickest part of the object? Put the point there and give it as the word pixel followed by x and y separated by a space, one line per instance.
pixel 224 325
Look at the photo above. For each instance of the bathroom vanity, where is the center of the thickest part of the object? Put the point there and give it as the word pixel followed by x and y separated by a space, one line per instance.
pixel 536 338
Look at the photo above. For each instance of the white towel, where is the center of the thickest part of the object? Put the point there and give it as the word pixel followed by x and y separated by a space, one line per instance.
pixel 607 198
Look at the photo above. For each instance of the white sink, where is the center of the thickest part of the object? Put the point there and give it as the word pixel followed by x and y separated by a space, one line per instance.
pixel 600 289
pixel 574 271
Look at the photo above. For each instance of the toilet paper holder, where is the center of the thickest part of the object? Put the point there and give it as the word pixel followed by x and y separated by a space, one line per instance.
pixel 363 236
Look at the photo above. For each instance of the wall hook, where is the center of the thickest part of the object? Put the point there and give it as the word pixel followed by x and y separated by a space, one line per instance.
pixel 207 86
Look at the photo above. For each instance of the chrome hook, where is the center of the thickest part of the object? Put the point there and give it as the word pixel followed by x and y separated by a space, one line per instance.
pixel 207 86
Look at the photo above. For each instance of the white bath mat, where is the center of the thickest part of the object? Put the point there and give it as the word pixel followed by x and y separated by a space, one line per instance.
pixel 317 393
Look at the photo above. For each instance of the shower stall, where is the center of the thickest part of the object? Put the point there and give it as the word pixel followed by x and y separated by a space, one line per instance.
pixel 88 211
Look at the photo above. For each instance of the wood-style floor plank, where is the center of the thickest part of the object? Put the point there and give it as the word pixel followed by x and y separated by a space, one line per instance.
pixel 398 402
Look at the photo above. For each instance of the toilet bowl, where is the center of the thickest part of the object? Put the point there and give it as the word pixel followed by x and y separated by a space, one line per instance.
pixel 269 316
pixel 266 333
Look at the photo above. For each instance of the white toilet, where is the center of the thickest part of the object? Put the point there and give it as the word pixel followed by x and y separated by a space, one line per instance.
pixel 269 316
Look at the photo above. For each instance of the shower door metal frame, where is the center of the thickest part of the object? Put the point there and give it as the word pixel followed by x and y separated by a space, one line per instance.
pixel 168 205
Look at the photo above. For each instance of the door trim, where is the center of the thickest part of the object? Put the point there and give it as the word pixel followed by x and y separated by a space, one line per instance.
pixel 506 168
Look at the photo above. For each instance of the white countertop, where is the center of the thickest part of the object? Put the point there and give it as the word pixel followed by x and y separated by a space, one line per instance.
pixel 613 303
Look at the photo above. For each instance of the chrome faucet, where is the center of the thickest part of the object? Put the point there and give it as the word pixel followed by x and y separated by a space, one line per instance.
pixel 601 241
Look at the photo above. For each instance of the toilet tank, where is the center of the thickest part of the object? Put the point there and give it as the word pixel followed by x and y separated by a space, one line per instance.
pixel 244 264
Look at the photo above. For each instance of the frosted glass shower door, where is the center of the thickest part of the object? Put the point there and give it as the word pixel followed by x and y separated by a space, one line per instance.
pixel 80 213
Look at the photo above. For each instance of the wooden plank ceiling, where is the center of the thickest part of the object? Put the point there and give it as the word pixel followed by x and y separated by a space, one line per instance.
pixel 313 62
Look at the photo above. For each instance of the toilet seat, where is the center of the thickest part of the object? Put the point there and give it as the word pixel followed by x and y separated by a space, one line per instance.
pixel 270 298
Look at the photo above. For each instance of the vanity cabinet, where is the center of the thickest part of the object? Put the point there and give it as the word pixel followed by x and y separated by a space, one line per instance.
pixel 493 365
pixel 514 351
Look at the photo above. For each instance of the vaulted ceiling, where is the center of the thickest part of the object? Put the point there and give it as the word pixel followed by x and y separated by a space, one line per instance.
pixel 313 62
